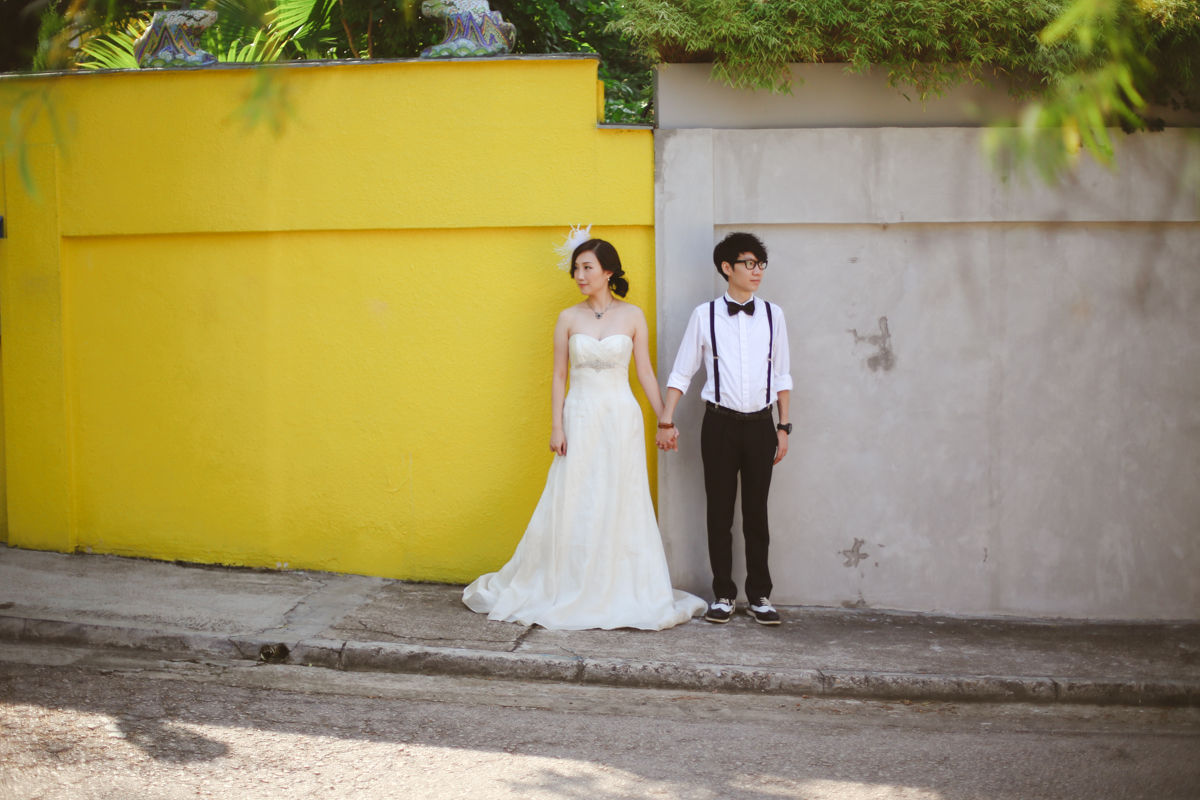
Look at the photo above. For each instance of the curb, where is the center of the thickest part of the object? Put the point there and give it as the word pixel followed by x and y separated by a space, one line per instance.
pixel 621 673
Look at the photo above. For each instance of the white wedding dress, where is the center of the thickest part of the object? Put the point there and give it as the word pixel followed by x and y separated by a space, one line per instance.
pixel 592 556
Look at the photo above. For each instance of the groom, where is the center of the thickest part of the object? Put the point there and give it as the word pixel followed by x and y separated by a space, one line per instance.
pixel 742 342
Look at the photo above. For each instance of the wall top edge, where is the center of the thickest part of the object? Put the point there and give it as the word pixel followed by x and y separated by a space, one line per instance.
pixel 730 222
pixel 299 64
pixel 974 222
pixel 1168 125
pixel 551 225
pixel 859 130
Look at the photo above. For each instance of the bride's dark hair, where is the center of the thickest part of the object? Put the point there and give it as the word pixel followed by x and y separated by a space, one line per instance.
pixel 606 254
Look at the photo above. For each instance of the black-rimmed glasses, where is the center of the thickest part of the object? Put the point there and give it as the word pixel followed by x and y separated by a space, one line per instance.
pixel 752 265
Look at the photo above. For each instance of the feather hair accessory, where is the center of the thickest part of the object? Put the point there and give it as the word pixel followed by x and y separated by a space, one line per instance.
pixel 576 237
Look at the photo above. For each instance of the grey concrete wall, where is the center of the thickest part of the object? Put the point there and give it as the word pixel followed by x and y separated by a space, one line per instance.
pixel 827 96
pixel 1021 435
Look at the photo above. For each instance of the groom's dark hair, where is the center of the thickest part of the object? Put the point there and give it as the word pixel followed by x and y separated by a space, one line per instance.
pixel 733 245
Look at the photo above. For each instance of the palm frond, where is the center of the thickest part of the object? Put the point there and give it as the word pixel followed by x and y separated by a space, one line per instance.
pixel 114 48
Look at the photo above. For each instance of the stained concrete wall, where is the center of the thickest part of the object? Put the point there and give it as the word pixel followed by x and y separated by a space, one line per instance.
pixel 832 96
pixel 823 96
pixel 997 386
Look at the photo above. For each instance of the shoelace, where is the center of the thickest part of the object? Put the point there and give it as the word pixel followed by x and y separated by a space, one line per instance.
pixel 724 602
pixel 764 604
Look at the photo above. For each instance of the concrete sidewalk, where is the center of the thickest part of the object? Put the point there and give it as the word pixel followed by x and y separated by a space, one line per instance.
pixel 360 623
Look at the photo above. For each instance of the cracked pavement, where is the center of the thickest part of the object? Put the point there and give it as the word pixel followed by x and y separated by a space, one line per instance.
pixel 353 622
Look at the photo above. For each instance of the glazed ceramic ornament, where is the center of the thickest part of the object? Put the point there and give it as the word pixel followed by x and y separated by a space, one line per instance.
pixel 170 41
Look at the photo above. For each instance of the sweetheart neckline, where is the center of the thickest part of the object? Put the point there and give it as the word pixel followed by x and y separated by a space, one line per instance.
pixel 594 339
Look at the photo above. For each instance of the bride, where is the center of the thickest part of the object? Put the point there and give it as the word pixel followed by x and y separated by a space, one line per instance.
pixel 592 556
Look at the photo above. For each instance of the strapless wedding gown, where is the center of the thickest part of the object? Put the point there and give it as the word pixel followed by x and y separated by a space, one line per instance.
pixel 592 556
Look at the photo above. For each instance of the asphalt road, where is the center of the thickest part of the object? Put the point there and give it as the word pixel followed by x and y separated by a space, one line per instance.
pixel 84 724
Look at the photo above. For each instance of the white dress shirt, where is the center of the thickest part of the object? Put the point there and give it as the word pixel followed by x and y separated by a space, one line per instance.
pixel 742 352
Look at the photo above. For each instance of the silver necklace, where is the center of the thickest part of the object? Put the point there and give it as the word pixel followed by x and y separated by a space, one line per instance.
pixel 600 314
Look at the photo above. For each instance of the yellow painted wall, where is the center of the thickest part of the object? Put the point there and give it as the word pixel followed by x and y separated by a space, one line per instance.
pixel 3 480
pixel 330 348
pixel 36 451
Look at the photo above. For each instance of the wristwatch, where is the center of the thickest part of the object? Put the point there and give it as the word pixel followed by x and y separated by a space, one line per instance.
pixel 786 428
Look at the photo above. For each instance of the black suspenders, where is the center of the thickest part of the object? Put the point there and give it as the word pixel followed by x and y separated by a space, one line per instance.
pixel 770 349
pixel 712 333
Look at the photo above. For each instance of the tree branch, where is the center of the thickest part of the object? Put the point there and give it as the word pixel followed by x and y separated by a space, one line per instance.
pixel 349 35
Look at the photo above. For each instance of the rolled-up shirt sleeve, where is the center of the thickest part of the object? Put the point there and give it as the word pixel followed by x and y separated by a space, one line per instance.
pixel 781 361
pixel 691 353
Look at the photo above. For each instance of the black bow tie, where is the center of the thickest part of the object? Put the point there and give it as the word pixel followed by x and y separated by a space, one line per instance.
pixel 734 308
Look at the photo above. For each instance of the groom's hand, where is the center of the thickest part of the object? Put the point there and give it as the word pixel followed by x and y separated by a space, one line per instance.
pixel 665 439
pixel 781 447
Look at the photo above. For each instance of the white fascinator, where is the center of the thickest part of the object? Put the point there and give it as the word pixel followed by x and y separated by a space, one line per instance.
pixel 578 235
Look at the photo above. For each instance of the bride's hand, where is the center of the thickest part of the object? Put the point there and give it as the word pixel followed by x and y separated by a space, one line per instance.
pixel 558 443
pixel 665 439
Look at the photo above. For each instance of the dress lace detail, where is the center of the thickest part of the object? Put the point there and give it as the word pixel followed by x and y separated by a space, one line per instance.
pixel 592 556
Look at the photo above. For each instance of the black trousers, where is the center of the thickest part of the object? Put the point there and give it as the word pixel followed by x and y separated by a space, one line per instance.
pixel 729 446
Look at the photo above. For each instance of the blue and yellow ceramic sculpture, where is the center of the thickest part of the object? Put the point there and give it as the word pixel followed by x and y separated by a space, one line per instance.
pixel 472 29
pixel 170 40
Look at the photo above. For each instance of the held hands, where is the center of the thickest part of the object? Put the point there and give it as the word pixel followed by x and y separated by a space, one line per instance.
pixel 667 439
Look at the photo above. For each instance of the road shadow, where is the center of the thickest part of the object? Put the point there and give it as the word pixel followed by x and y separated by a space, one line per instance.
pixel 597 753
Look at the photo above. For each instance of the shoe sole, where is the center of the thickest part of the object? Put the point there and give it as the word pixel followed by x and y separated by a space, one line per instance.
pixel 718 621
pixel 767 621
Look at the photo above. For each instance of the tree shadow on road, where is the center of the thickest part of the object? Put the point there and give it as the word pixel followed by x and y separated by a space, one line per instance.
pixel 591 752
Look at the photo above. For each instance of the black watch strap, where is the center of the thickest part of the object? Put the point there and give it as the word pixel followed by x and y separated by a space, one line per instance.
pixel 786 428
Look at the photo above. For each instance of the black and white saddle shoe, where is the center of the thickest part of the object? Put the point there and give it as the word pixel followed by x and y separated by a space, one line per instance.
pixel 763 612
pixel 720 611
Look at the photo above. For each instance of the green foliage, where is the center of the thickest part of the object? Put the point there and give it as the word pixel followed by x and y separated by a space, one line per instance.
pixel 586 26
pixel 258 31
pixel 245 32
pixel 628 93
pixel 112 49
pixel 1121 57
pixel 265 102
pixel 543 26
pixel 51 52
pixel 20 112
pixel 382 29
pixel 932 45
pixel 101 35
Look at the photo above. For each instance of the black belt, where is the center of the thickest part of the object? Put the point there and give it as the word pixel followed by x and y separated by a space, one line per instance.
pixel 729 412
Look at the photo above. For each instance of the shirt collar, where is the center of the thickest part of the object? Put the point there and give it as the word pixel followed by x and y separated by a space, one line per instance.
pixel 729 299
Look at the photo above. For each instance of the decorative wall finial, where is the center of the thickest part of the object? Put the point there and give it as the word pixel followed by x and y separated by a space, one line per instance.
pixel 170 41
pixel 472 29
